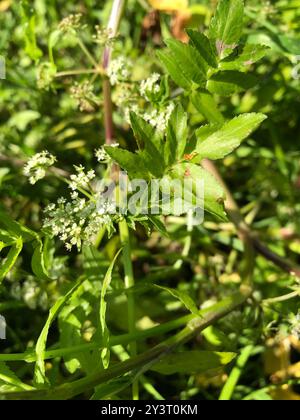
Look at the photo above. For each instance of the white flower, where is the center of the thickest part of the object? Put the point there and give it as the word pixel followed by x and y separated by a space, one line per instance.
pixel 101 154
pixel 118 70
pixel 160 118
pixel 79 219
pixel 295 325
pixel 150 86
pixel 36 167
pixel 81 179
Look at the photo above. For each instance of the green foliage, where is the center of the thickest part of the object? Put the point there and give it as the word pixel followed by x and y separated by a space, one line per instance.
pixel 227 92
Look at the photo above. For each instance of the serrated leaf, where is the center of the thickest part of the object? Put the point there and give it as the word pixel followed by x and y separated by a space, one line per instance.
pixel 171 66
pixel 105 353
pixel 191 362
pixel 242 60
pixel 189 61
pixel 227 24
pixel 227 83
pixel 222 142
pixel 130 162
pixel 144 132
pixel 205 103
pixel 152 159
pixel 205 48
pixel 214 195
pixel 177 133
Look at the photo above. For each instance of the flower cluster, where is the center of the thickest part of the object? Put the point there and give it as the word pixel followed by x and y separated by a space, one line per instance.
pixel 36 167
pixel 150 86
pixel 46 73
pixel 70 23
pixel 81 179
pixel 159 118
pixel 31 293
pixel 78 220
pixel 101 154
pixel 295 325
pixel 103 37
pixel 118 70
pixel 84 96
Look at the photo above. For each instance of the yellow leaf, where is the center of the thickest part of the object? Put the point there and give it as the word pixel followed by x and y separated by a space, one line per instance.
pixel 169 5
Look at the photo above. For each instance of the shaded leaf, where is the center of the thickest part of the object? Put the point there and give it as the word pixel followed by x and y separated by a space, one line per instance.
pixel 227 83
pixel 177 133
pixel 190 362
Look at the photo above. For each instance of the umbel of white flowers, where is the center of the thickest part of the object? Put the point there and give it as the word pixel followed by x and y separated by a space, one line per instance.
pixel 37 166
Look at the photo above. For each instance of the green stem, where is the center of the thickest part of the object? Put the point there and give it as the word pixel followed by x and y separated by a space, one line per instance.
pixel 129 282
pixel 78 72
pixel 143 361
pixel 235 374
pixel 124 339
pixel 87 53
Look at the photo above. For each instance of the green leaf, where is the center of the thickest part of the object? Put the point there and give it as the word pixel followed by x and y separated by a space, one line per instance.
pixel 205 103
pixel 177 133
pixel 189 61
pixel 113 387
pixel 105 353
pixel 227 24
pixel 290 44
pixel 184 298
pixel 227 83
pixel 248 56
pixel 191 362
pixel 214 195
pixel 38 262
pixel 16 229
pixel 152 159
pixel 10 382
pixel 144 132
pixel 39 371
pixel 130 162
pixel 11 258
pixel 171 66
pixel 29 27
pixel 205 48
pixel 222 142
pixel 53 40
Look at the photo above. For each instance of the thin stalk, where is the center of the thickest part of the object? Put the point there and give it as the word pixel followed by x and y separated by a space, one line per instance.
pixel 30 357
pixel 76 72
pixel 143 361
pixel 113 27
pixel 87 53
pixel 282 298
pixel 129 282
pixel 235 374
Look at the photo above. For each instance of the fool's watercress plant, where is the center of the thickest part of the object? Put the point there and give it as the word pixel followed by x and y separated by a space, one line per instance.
pixel 168 147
